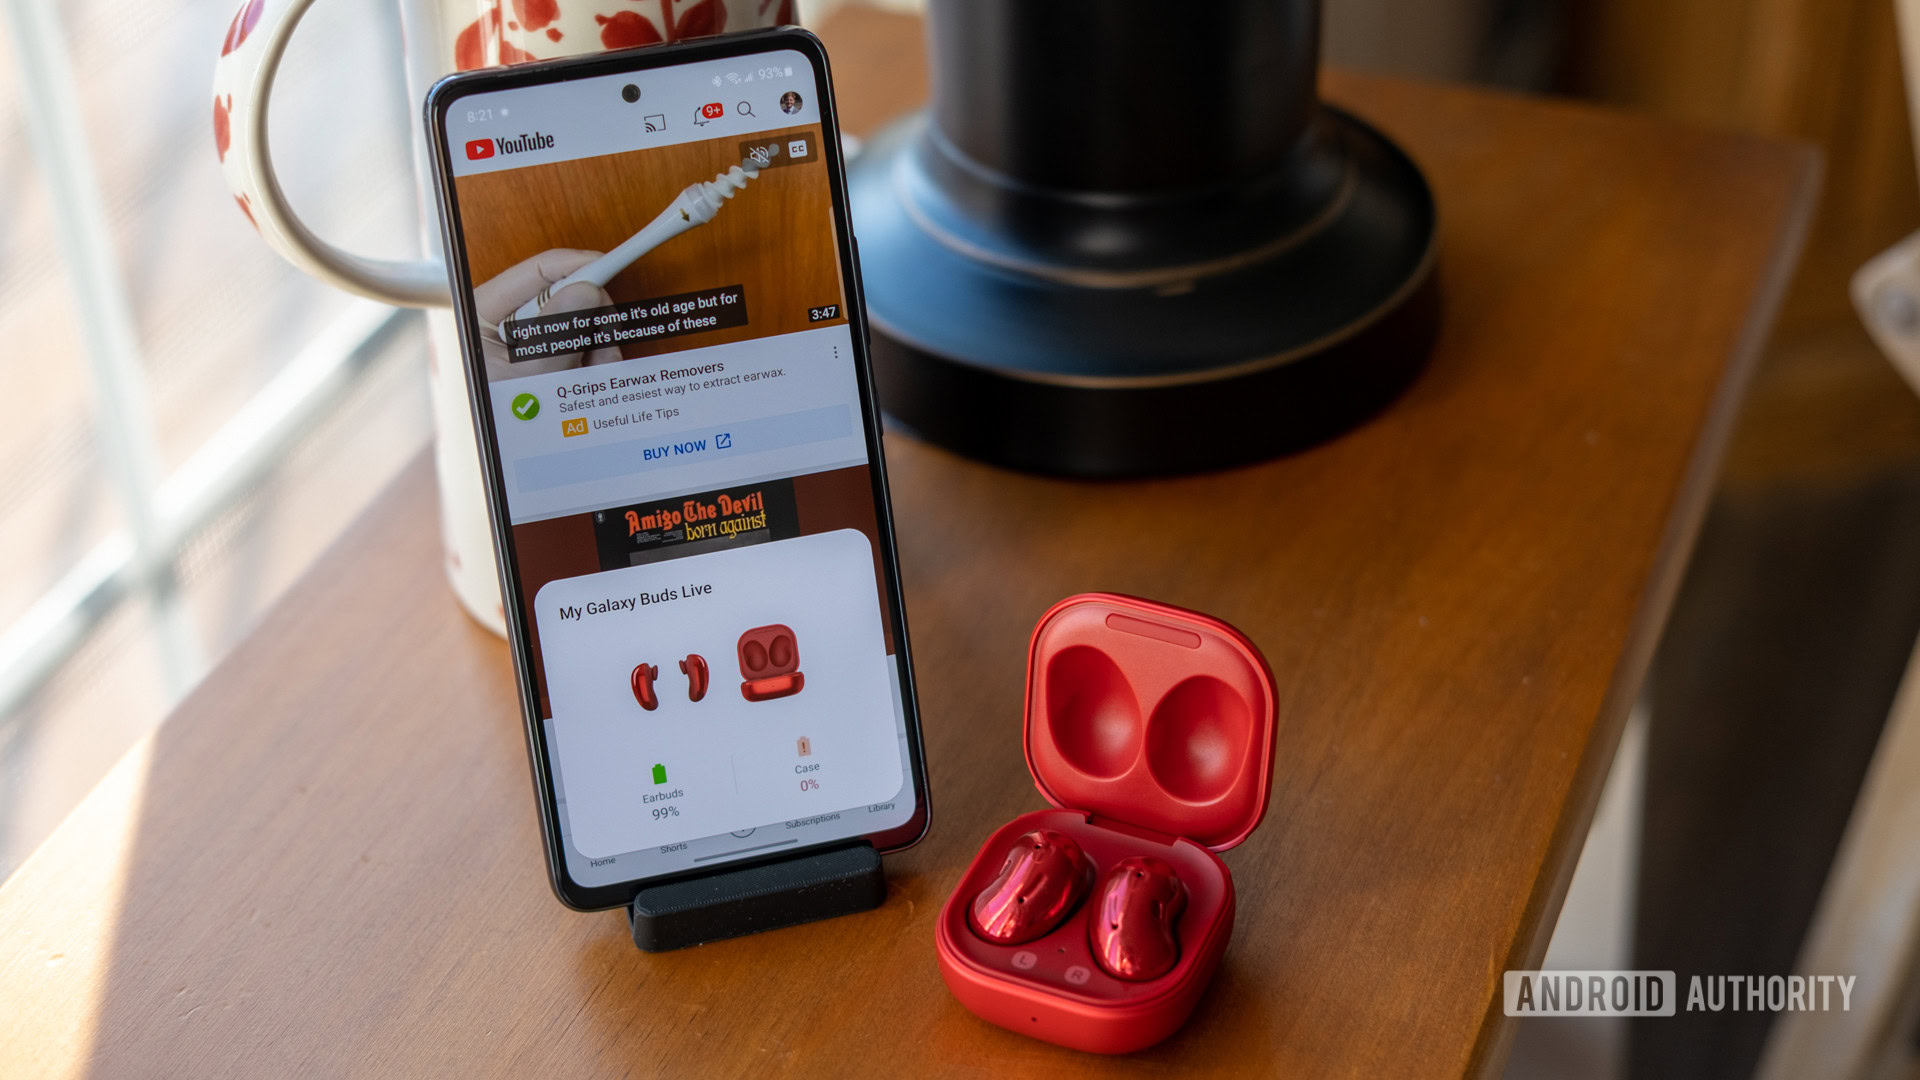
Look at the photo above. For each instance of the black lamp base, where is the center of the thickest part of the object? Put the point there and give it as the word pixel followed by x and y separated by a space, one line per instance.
pixel 1059 344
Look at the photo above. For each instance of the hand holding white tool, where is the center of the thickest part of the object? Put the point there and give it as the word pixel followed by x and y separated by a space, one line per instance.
pixel 697 205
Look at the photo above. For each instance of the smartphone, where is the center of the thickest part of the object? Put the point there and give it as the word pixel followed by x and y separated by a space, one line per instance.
pixel 659 310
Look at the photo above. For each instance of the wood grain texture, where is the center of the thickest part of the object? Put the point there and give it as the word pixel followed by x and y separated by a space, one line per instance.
pixel 1826 71
pixel 332 866
pixel 775 237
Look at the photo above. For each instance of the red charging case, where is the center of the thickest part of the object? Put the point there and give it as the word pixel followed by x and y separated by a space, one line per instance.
pixel 1150 727
pixel 769 663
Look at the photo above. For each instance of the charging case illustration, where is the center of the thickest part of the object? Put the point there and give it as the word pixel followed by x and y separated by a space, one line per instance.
pixel 770 663
pixel 1150 728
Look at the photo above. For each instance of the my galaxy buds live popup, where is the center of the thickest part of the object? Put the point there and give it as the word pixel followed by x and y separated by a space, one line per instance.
pixel 1045 877
pixel 1134 914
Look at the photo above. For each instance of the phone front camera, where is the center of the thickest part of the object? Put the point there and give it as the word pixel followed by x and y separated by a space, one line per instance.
pixel 630 92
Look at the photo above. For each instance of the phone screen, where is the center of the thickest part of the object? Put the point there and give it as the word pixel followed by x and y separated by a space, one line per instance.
pixel 685 461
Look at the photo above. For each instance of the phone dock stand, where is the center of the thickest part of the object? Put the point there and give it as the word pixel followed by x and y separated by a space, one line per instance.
pixel 766 896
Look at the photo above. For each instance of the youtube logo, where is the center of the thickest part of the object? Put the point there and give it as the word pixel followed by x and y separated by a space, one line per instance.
pixel 479 148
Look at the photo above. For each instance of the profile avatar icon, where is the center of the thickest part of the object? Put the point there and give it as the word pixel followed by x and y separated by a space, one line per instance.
pixel 790 102
pixel 770 663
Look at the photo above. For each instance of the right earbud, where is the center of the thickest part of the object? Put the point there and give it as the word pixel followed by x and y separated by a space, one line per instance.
pixel 1045 877
pixel 695 669
pixel 1134 912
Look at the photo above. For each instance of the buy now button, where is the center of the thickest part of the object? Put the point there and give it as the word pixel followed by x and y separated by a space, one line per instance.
pixel 575 426
pixel 613 458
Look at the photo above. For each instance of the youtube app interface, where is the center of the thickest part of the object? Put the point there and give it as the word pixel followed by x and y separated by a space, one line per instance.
pixel 678 421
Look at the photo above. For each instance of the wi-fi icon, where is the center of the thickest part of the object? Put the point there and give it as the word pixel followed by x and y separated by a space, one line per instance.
pixel 732 78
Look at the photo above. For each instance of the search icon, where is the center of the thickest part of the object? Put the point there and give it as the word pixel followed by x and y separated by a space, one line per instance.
pixel 745 108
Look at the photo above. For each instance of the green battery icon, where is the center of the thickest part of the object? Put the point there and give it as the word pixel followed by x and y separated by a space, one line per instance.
pixel 659 773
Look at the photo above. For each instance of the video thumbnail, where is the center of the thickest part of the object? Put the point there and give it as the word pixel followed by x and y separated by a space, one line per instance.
pixel 650 251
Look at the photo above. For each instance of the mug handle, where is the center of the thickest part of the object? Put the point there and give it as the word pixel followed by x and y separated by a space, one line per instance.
pixel 1886 293
pixel 249 63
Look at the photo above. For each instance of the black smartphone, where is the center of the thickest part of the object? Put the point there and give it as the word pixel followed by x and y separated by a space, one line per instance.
pixel 659 309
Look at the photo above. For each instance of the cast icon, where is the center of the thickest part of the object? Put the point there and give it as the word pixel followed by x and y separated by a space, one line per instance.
pixel 770 663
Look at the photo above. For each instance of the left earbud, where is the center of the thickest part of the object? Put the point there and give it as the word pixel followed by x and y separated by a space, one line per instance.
pixel 1134 913
pixel 643 692
pixel 1045 877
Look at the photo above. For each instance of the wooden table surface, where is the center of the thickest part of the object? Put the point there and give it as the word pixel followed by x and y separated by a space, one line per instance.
pixel 327 861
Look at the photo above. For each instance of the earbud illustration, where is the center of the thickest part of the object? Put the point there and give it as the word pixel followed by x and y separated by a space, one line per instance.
pixel 695 669
pixel 643 692
pixel 1045 877
pixel 1134 913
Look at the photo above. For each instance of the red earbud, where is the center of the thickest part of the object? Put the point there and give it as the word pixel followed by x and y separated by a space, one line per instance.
pixel 695 669
pixel 643 676
pixel 1045 877
pixel 1133 918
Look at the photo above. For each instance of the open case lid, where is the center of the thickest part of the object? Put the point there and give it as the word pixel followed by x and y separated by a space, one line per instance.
pixel 1152 715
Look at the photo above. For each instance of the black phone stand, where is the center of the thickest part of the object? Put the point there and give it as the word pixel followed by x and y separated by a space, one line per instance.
pixel 766 896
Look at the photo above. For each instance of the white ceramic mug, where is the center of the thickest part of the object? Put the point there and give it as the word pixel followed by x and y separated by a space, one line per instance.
pixel 441 36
